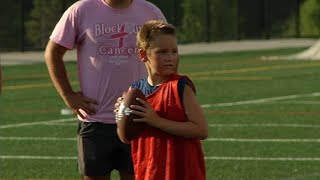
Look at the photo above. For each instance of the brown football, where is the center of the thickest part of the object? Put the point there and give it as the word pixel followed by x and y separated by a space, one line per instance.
pixel 127 128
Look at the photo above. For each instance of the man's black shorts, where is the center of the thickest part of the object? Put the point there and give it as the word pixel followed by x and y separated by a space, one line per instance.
pixel 100 150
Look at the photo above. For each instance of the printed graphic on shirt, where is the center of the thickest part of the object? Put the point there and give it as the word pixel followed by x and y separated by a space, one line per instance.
pixel 116 43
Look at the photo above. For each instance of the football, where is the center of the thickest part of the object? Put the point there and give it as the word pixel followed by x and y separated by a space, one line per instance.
pixel 127 128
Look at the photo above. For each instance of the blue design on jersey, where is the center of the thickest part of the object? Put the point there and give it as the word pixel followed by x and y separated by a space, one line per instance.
pixel 147 89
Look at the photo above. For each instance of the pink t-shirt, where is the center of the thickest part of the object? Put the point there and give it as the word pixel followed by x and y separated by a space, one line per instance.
pixel 107 57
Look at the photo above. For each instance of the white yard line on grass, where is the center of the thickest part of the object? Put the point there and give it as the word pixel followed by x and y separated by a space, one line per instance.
pixel 35 123
pixel 38 157
pixel 209 139
pixel 263 140
pixel 61 124
pixel 37 138
pixel 299 102
pixel 262 158
pixel 206 157
pixel 266 125
pixel 264 100
pixel 259 101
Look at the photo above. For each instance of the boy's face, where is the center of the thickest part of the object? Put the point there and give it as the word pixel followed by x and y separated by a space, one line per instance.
pixel 162 56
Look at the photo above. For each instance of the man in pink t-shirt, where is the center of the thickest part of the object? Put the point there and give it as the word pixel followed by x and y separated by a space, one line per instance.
pixel 104 33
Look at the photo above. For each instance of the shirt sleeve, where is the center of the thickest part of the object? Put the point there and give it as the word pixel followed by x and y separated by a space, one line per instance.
pixel 159 15
pixel 182 82
pixel 65 30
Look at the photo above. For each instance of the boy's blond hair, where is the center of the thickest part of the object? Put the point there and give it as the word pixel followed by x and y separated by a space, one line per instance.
pixel 150 30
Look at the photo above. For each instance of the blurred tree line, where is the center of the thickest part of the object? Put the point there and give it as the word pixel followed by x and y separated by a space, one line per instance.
pixel 27 24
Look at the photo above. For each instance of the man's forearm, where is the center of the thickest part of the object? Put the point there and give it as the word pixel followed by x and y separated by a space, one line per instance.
pixel 58 74
pixel 57 69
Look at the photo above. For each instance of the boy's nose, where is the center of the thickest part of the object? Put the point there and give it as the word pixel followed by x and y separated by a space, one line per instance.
pixel 171 56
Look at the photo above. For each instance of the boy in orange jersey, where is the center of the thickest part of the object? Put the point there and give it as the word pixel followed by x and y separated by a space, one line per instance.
pixel 169 148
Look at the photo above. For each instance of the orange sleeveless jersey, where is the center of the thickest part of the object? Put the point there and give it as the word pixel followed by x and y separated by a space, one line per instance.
pixel 158 155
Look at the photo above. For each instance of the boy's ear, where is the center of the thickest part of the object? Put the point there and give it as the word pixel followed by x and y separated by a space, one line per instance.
pixel 143 55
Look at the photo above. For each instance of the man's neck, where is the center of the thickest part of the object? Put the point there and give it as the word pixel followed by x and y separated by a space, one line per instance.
pixel 118 4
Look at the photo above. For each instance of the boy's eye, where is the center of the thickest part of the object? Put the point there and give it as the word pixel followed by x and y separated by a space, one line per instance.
pixel 165 51
pixel 162 52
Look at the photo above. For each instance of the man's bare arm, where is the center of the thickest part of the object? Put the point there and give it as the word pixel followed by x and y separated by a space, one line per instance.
pixel 54 58
pixel 75 100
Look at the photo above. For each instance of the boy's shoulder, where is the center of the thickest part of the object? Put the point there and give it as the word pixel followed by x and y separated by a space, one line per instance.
pixel 140 83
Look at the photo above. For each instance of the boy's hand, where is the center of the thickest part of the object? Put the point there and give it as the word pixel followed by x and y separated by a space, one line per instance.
pixel 146 111
pixel 117 104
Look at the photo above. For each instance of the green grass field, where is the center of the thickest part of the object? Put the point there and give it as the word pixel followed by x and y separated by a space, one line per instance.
pixel 263 119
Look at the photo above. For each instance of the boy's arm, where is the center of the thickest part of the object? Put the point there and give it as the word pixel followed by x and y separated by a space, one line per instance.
pixel 75 100
pixel 195 127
